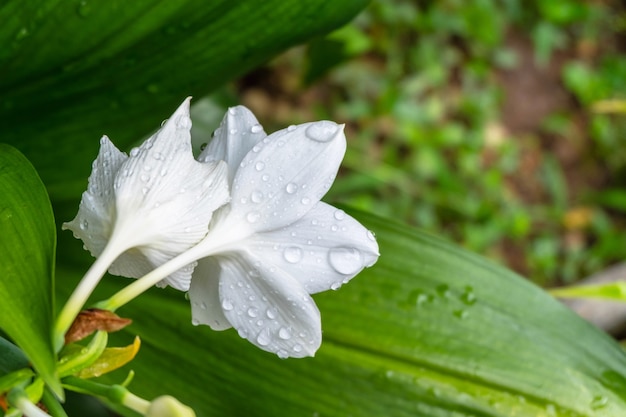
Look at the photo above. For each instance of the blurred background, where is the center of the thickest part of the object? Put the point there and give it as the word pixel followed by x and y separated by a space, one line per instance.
pixel 498 124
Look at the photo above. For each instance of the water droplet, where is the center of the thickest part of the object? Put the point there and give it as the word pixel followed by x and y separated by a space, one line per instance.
pixel 305 200
pixel 462 314
pixel 203 305
pixel 232 131
pixel 134 152
pixel 371 236
pixel 264 338
pixel 271 313
pixel 145 190
pixel 227 304
pixel 183 122
pixel 253 216
pixel 282 354
pixel 599 401
pixel 297 348
pixel 322 131
pixel 468 297
pixel 259 166
pixel 145 177
pixel 291 188
pixel 265 177
pixel 163 172
pixel 21 34
pixel 293 254
pixel 291 128
pixel 256 196
pixel 256 128
pixel 195 322
pixel 334 228
pixel 83 9
pixel 284 333
pixel 335 286
pixel 443 290
pixel 253 312
pixel 84 225
pixel 340 214
pixel 344 260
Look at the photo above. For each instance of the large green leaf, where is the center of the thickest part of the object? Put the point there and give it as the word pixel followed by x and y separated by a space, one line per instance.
pixel 431 330
pixel 71 71
pixel 27 245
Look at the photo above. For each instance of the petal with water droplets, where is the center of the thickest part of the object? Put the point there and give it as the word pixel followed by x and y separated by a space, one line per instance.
pixel 206 307
pixel 266 306
pixel 298 169
pixel 322 250
pixel 94 222
pixel 237 135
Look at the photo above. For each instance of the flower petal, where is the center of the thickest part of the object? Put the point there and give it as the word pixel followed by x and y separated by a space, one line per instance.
pixel 285 174
pixel 204 295
pixel 94 221
pixel 267 307
pixel 165 200
pixel 322 250
pixel 238 133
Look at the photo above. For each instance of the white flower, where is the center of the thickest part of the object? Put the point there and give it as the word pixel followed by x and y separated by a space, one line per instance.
pixel 276 243
pixel 147 208
pixel 168 406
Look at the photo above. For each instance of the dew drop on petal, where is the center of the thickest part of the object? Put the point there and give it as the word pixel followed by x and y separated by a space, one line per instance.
pixel 291 128
pixel 256 196
pixel 282 353
pixel 344 260
pixel 259 166
pixel 335 286
pixel 256 128
pixel 253 312
pixel 227 304
pixel 253 216
pixel 264 338
pixel 322 131
pixel 292 254
pixel 297 348
pixel 84 224
pixel 371 236
pixel 265 177
pixel 340 214
pixel 134 152
pixel 305 201
pixel 183 122
pixel 284 333
pixel 291 188
pixel 195 322
pixel 271 313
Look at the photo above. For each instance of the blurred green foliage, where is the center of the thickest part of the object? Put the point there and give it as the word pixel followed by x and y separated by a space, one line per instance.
pixel 438 139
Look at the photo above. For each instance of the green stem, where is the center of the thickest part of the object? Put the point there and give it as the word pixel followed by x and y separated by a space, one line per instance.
pixel 117 394
pixel 82 292
pixel 54 407
pixel 152 278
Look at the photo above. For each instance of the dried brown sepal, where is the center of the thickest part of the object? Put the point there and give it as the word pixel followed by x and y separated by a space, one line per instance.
pixel 93 319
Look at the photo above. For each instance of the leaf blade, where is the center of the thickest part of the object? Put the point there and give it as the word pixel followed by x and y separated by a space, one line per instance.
pixel 27 248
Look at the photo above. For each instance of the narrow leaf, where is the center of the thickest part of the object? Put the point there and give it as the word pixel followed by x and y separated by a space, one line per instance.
pixel 27 246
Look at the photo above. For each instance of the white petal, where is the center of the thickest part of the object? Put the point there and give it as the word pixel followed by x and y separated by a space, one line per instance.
pixel 284 175
pixel 165 198
pixel 94 221
pixel 204 295
pixel 237 135
pixel 322 250
pixel 268 307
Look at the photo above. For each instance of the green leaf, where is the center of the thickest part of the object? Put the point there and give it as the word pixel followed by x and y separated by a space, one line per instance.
pixel 431 330
pixel 615 291
pixel 27 245
pixel 115 67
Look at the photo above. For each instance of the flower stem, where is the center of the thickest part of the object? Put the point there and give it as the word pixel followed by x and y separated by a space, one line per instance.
pixel 117 394
pixel 152 278
pixel 82 292
pixel 19 399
